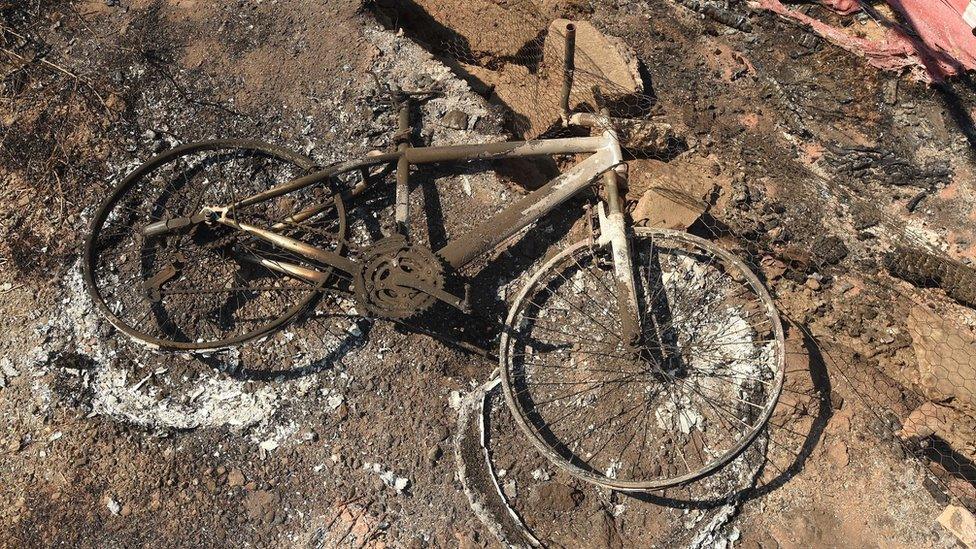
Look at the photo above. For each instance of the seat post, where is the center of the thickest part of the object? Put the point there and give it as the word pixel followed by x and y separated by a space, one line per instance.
pixel 569 66
pixel 402 138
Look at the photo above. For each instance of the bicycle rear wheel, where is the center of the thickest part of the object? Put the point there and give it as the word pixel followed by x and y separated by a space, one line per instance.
pixel 684 402
pixel 204 288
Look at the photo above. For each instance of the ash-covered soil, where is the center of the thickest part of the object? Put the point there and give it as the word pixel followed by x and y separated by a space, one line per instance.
pixel 336 432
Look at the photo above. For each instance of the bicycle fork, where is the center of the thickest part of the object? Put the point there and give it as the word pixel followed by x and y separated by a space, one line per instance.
pixel 613 231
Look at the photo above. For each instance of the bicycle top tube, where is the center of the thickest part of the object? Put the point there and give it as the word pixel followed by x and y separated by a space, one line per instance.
pixel 449 153
pixel 505 149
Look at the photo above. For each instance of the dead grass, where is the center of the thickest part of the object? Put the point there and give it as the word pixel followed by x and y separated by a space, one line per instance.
pixel 54 139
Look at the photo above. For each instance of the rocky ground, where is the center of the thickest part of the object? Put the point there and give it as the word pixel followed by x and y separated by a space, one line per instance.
pixel 335 432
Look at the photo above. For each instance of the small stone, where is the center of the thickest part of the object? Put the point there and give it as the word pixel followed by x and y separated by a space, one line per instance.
pixel 813 284
pixel 456 119
pixel 510 489
pixel 260 505
pixel 335 401
pixel 235 478
pixel 113 506
pixel 837 453
pixel 961 522
pixel 830 250
pixel 155 501
pixel 8 369
pixel 772 267
pixel 308 435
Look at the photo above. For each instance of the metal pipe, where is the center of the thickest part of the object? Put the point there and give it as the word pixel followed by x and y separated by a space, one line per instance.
pixel 569 65
pixel 307 213
pixel 613 229
pixel 290 269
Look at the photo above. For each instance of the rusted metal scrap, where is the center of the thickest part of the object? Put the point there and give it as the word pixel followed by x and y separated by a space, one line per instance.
pixel 927 270
pixel 887 167
pixel 719 14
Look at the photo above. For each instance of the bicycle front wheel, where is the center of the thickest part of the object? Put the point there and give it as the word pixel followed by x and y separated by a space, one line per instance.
pixel 686 400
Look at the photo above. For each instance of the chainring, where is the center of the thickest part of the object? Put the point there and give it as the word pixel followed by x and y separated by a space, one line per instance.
pixel 390 265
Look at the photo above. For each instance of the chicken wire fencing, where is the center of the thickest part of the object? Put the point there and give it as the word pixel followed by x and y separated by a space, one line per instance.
pixel 877 311
pixel 874 308
pixel 515 54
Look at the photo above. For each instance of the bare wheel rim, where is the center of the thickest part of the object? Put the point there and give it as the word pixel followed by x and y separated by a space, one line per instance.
pixel 219 296
pixel 700 389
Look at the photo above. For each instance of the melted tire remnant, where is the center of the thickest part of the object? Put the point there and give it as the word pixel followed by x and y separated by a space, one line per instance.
pixel 477 475
pixel 927 270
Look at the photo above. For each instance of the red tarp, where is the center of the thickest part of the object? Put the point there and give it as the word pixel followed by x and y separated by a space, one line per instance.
pixel 842 6
pixel 934 41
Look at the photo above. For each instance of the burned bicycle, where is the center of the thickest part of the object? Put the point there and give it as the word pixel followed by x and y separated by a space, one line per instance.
pixel 636 359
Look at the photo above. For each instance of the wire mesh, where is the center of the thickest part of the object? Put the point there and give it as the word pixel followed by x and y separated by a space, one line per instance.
pixel 886 311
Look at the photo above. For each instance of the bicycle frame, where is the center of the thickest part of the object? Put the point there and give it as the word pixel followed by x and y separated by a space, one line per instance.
pixel 605 158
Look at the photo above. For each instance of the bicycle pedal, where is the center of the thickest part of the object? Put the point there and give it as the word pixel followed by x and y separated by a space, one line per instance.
pixel 466 302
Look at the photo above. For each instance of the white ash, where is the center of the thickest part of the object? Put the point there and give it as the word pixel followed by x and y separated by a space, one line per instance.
pixel 211 401
pixel 8 369
pixel 389 478
pixel 217 402
pixel 113 506
pixel 721 326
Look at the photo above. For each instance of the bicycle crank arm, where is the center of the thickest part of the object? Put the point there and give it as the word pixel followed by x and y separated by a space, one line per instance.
pixel 437 293
pixel 154 284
